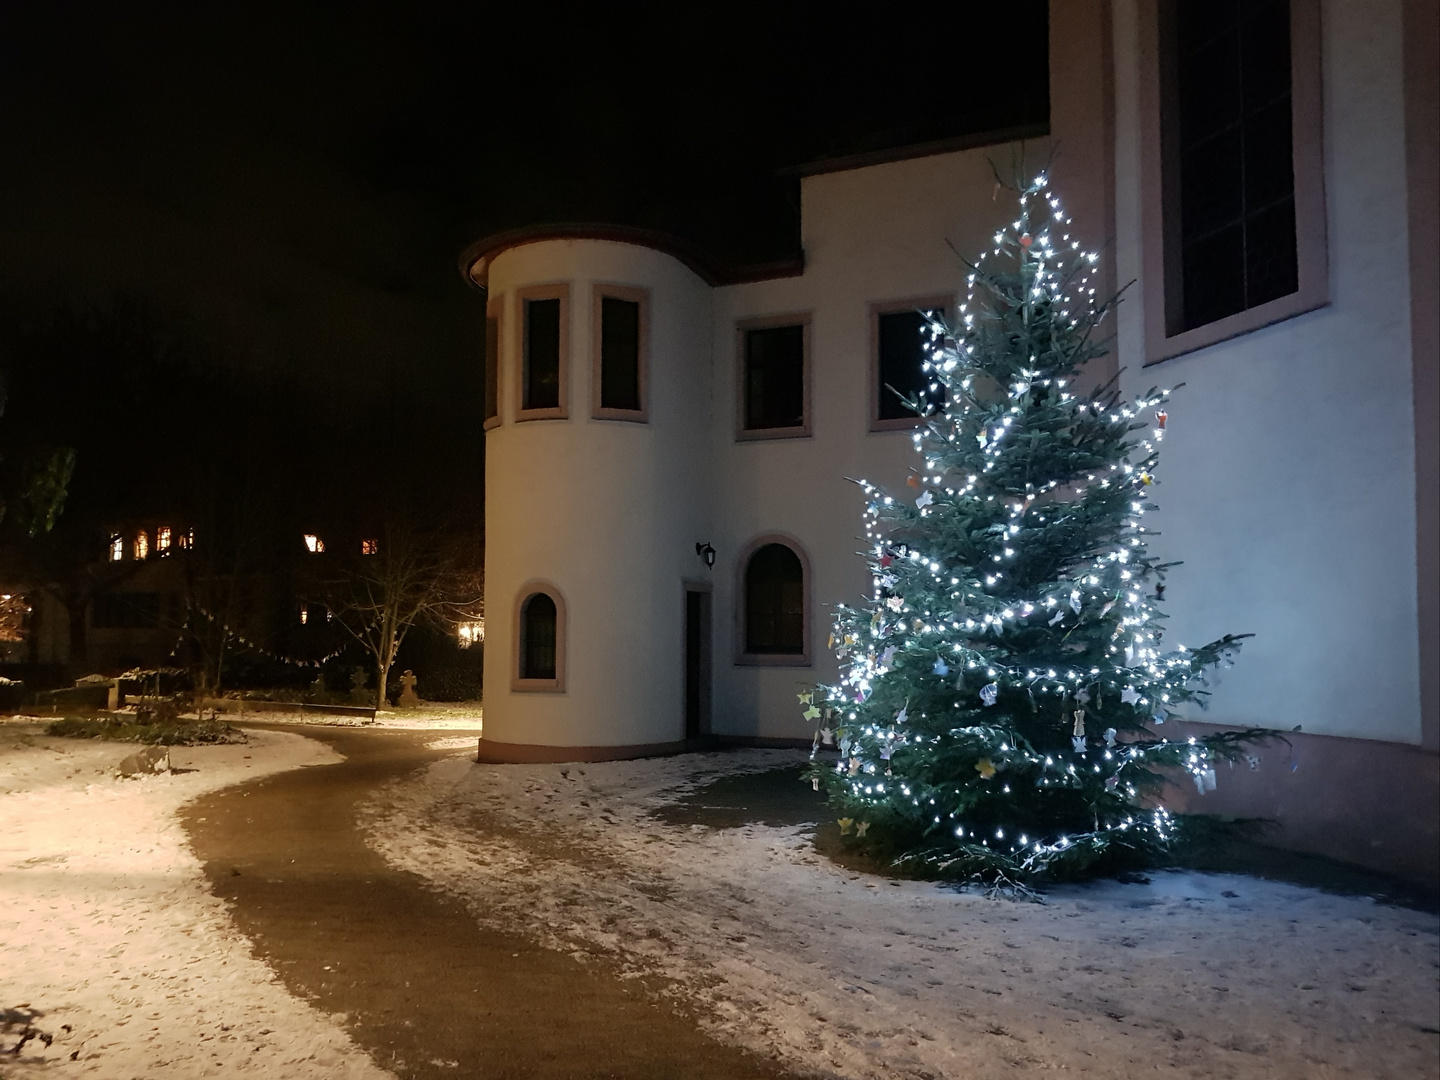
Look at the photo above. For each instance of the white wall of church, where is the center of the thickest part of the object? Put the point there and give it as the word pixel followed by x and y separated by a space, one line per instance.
pixel 607 511
pixel 1287 481
pixel 871 235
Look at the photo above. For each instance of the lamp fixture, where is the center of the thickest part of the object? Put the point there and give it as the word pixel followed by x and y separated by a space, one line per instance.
pixel 706 552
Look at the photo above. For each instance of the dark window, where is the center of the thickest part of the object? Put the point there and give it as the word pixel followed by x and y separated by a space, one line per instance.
pixel 1231 141
pixel 537 638
pixel 542 354
pixel 775 377
pixel 619 354
pixel 492 366
pixel 904 346
pixel 125 611
pixel 774 601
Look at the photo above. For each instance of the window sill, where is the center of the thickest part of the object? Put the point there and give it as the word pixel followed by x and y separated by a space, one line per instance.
pixel 773 660
pixel 765 434
pixel 899 423
pixel 537 686
pixel 627 416
pixel 540 414
pixel 491 424
pixel 1159 348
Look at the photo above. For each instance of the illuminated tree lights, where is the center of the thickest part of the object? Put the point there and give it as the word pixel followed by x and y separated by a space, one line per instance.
pixel 999 693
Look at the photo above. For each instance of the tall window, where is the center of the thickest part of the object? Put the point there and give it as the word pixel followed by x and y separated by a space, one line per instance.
pixel 543 350
pixel 774 398
pixel 162 538
pixel 1234 150
pixel 900 344
pixel 1238 226
pixel 142 544
pixel 774 602
pixel 620 316
pixel 492 361
pixel 117 548
pixel 540 647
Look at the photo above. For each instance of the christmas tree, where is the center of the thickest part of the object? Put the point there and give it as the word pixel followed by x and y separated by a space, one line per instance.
pixel 1002 692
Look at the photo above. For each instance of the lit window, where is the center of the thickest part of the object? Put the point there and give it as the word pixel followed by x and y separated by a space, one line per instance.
pixel 368 547
pixel 142 544
pixel 162 538
pixel 304 614
pixel 185 540
pixel 471 633
pixel 117 548
pixel 314 544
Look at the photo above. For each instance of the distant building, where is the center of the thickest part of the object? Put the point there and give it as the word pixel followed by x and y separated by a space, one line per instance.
pixel 1266 188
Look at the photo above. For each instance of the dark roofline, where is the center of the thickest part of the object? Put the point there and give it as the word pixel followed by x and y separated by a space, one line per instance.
pixel 475 260
pixel 917 150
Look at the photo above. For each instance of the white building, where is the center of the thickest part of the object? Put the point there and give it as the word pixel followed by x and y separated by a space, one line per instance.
pixel 1282 244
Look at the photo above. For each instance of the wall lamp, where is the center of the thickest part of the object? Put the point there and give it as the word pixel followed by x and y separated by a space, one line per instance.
pixel 706 552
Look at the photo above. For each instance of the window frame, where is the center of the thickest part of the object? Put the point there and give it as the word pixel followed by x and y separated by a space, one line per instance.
pixel 551 686
pixel 494 364
pixel 767 322
pixel 943 302
pixel 636 295
pixel 743 658
pixel 553 291
pixel 1159 206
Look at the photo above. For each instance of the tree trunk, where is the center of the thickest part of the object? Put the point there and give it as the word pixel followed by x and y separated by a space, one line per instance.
pixel 381 671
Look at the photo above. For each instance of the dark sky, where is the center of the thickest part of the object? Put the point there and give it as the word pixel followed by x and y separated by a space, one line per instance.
pixel 294 181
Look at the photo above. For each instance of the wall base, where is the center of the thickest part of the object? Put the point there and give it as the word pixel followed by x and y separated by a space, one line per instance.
pixel 1374 804
pixel 500 753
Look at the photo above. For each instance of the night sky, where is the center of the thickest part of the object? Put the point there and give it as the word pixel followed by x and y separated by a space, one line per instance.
pixel 294 182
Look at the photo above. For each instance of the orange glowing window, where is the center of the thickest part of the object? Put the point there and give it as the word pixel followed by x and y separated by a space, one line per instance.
pixel 162 538
pixel 185 540
pixel 142 544
pixel 314 544
pixel 117 548
pixel 304 614
pixel 369 547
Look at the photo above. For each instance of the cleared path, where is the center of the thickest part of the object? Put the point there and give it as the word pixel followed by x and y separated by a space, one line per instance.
pixel 424 989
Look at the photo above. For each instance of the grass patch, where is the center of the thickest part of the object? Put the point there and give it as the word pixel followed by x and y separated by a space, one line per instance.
pixel 150 732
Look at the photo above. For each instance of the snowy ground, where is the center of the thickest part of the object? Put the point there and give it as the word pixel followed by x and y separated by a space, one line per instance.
pixel 430 715
pixel 111 943
pixel 776 948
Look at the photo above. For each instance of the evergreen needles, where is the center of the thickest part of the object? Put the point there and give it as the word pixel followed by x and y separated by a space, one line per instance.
pixel 999 694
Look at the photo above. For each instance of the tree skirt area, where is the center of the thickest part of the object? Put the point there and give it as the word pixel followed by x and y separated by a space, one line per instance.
pixel 772 946
pixel 111 945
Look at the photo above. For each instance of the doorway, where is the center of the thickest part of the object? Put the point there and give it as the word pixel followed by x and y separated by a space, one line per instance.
pixel 697 660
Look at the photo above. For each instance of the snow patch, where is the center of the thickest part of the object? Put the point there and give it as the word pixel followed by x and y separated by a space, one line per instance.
pixel 775 948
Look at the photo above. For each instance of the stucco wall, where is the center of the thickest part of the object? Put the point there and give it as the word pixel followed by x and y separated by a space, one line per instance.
pixel 607 511
pixel 1288 477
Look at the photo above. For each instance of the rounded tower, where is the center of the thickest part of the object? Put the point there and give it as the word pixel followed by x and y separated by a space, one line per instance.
pixel 597 462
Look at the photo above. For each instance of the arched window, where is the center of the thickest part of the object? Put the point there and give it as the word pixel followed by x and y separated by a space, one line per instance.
pixel 539 639
pixel 537 631
pixel 774 590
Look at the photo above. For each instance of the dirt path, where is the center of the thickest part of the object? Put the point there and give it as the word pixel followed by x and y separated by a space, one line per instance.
pixel 424 990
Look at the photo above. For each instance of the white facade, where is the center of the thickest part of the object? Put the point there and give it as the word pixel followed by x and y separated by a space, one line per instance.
pixel 1289 476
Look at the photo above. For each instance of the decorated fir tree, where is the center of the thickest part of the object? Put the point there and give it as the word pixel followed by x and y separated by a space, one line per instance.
pixel 1001 698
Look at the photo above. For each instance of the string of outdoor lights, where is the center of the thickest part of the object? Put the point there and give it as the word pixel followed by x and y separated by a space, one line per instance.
pixel 963 602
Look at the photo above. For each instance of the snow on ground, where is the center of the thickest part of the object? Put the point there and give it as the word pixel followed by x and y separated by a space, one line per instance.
pixel 429 716
pixel 774 947
pixel 112 944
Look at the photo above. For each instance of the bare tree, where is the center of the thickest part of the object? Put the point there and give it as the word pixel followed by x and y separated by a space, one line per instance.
pixel 404 575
